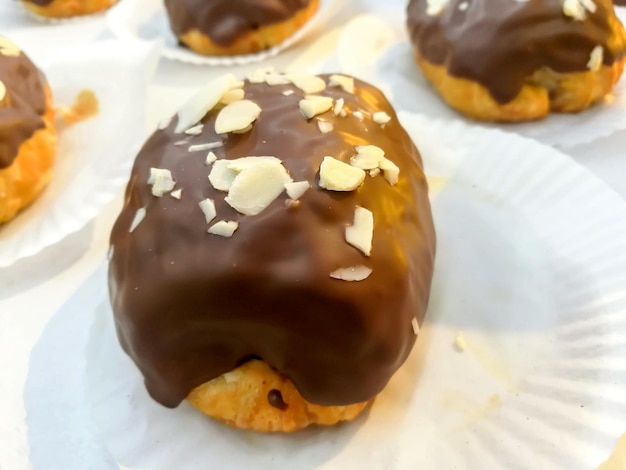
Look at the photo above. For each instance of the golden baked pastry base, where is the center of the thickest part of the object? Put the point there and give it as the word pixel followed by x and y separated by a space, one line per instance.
pixel 69 8
pixel 240 399
pixel 30 172
pixel 546 91
pixel 252 41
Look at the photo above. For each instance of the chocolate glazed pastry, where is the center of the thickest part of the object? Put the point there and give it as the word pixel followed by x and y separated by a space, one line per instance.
pixel 516 61
pixel 232 27
pixel 67 8
pixel 192 308
pixel 27 135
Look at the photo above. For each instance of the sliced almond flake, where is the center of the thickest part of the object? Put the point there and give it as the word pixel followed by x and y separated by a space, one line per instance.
pixel 224 228
pixel 463 6
pixel 309 84
pixel 3 90
pixel 325 127
pixel 8 48
pixel 435 7
pixel 203 147
pixel 180 143
pixel 343 113
pixel 361 233
pixel 259 75
pixel 257 186
pixel 375 172
pixel 336 175
pixel 221 176
pixel 210 159
pixel 312 106
pixel 381 118
pixel 161 181
pixel 347 83
pixel 273 79
pixel 338 108
pixel 295 190
pixel 195 130
pixel 416 326
pixel 165 123
pixel 595 59
pixel 248 128
pixel 204 101
pixel 224 172
pixel 233 95
pixel 139 216
pixel 243 163
pixel 236 116
pixel 177 194
pixel 589 5
pixel 367 157
pixel 352 274
pixel 207 206
pixel 359 115
pixel 391 172
pixel 288 92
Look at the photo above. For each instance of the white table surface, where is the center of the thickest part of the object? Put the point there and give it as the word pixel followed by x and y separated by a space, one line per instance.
pixel 33 289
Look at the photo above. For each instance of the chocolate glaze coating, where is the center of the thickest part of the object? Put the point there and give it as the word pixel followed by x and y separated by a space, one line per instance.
pixel 225 20
pixel 22 108
pixel 501 43
pixel 190 306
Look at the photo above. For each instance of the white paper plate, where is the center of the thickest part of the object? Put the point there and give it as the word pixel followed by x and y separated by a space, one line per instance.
pixel 531 268
pixel 147 20
pixel 375 47
pixel 94 157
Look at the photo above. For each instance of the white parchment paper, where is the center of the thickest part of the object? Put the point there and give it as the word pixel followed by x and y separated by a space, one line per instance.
pixel 530 270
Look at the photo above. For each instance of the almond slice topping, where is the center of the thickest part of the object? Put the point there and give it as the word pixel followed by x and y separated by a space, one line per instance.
pixel 352 274
pixel 347 83
pixel 313 105
pixel 204 101
pixel 224 228
pixel 309 84
pixel 161 181
pixel 361 232
pixel 236 116
pixel 336 175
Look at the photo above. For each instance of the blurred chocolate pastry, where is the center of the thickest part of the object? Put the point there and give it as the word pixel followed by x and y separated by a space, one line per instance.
pixel 518 60
pixel 27 132
pixel 227 27
pixel 67 8
pixel 273 259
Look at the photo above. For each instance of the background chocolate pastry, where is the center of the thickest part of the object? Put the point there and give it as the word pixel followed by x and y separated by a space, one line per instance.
pixel 190 306
pixel 23 104
pixel 231 27
pixel 501 44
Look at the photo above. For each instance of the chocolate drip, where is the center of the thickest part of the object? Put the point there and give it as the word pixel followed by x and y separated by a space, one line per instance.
pixel 225 20
pixel 190 306
pixel 275 399
pixel 23 105
pixel 500 44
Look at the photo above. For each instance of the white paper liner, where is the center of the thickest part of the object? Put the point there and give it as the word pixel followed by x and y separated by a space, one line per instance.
pixel 147 20
pixel 375 47
pixel 95 156
pixel 530 268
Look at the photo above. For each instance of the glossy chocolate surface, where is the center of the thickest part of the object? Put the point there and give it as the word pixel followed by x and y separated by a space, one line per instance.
pixel 501 43
pixel 190 306
pixel 23 105
pixel 225 20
